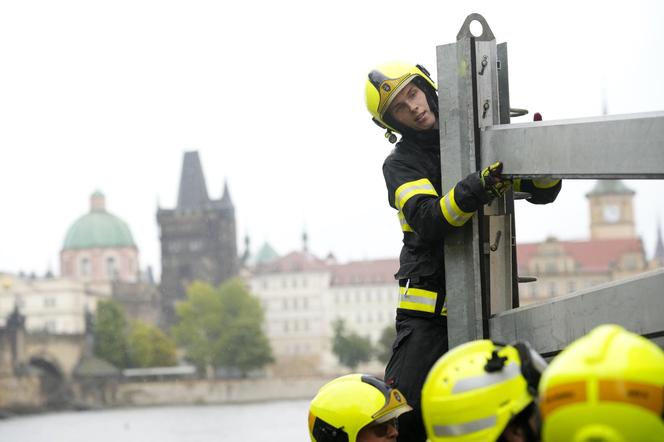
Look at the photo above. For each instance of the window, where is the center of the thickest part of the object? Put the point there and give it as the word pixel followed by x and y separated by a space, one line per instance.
pixel 49 325
pixel 49 302
pixel 571 286
pixel 85 266
pixel 111 270
pixel 286 326
pixel 305 303
pixel 552 289
pixel 285 304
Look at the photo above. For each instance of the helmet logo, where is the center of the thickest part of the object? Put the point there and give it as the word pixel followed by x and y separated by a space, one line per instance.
pixel 397 396
pixel 386 87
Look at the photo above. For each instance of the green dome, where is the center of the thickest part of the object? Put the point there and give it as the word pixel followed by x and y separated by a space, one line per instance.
pixel 98 229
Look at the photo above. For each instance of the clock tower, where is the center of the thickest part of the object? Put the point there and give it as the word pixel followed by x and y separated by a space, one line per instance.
pixel 611 210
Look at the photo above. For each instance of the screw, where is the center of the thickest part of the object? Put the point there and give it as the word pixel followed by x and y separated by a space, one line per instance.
pixel 486 108
pixel 484 63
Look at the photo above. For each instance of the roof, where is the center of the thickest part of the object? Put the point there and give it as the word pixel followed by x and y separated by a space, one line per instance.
pixel 293 262
pixel 98 228
pixel 610 187
pixel 264 255
pixel 94 367
pixel 590 256
pixel 380 271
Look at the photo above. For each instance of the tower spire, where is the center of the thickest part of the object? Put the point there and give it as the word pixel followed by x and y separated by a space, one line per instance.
pixel 193 190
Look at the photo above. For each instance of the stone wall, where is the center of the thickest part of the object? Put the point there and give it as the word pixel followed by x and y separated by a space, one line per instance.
pixel 198 392
pixel 21 393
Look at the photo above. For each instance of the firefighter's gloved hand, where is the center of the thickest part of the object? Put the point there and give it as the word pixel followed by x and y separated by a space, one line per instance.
pixel 492 181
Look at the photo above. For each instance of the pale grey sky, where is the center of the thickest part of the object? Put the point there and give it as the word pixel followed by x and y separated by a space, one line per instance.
pixel 108 95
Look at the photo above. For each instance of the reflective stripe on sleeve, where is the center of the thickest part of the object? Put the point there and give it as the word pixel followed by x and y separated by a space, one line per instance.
pixel 408 190
pixel 451 211
pixel 404 225
pixel 516 184
pixel 419 300
pixel 545 183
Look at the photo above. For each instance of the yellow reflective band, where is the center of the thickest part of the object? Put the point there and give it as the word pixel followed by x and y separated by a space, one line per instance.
pixel 451 211
pixel 545 183
pixel 419 300
pixel 516 184
pixel 404 225
pixel 408 190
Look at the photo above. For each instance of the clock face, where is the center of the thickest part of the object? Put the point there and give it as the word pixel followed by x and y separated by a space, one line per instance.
pixel 611 213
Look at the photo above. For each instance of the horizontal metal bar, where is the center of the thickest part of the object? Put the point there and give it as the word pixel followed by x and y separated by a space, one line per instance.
pixel 635 303
pixel 613 147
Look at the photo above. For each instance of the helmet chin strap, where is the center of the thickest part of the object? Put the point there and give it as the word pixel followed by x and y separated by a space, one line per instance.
pixel 390 136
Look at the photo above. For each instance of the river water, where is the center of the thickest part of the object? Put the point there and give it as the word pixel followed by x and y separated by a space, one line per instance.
pixel 274 421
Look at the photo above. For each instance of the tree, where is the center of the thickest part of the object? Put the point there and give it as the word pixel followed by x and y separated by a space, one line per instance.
pixel 350 348
pixel 383 348
pixel 150 347
pixel 110 334
pixel 222 327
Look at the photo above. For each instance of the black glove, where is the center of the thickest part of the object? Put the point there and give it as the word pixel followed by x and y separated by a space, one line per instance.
pixel 492 181
pixel 484 186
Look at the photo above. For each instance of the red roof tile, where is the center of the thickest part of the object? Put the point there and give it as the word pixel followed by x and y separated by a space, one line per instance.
pixel 590 256
pixel 379 271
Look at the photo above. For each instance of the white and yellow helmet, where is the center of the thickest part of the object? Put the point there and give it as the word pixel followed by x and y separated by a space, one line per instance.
pixel 347 404
pixel 385 82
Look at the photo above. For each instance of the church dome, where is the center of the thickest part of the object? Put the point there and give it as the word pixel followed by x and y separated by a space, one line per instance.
pixel 98 228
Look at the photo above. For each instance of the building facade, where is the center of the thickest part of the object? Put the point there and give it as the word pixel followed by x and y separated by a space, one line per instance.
pixel 51 305
pixel 303 296
pixel 614 250
pixel 198 238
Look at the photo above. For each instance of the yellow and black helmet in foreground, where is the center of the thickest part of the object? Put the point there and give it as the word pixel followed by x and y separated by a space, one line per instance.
pixel 346 404
pixel 385 82
pixel 606 386
pixel 474 390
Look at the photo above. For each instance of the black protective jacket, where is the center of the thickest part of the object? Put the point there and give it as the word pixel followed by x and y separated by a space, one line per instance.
pixel 427 212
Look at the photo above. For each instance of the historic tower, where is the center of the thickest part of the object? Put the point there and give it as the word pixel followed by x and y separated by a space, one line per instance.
pixel 611 210
pixel 198 240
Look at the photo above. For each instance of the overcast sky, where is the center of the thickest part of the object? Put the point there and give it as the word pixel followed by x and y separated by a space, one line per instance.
pixel 109 95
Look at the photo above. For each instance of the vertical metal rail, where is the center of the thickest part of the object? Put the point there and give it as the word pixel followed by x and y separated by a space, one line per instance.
pixel 461 116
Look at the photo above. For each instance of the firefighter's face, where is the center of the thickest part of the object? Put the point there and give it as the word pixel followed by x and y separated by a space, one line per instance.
pixel 410 108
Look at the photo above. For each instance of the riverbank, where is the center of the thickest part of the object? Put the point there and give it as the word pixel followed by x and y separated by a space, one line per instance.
pixel 168 393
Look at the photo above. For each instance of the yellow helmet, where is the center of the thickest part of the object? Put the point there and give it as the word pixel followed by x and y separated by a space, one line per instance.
pixel 385 82
pixel 606 386
pixel 346 404
pixel 473 391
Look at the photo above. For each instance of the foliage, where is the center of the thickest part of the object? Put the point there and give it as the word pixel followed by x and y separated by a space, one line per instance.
pixel 150 347
pixel 350 348
pixel 383 348
pixel 222 327
pixel 109 334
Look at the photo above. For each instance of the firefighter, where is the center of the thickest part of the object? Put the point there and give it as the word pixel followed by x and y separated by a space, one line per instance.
pixel 402 99
pixel 483 391
pixel 606 386
pixel 356 408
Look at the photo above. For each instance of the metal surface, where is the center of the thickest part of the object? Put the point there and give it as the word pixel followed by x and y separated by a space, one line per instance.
pixel 457 134
pixel 636 303
pixel 620 146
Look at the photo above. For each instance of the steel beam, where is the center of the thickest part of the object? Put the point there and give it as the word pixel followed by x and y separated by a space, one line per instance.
pixel 459 127
pixel 618 146
pixel 636 303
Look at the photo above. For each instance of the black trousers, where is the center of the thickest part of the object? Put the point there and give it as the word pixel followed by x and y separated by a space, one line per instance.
pixel 419 344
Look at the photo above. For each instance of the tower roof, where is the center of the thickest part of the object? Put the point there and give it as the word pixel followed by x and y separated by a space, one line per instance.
pixel 193 190
pixel 610 187
pixel 98 228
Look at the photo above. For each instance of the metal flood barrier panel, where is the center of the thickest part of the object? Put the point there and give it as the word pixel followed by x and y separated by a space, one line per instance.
pixel 480 268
